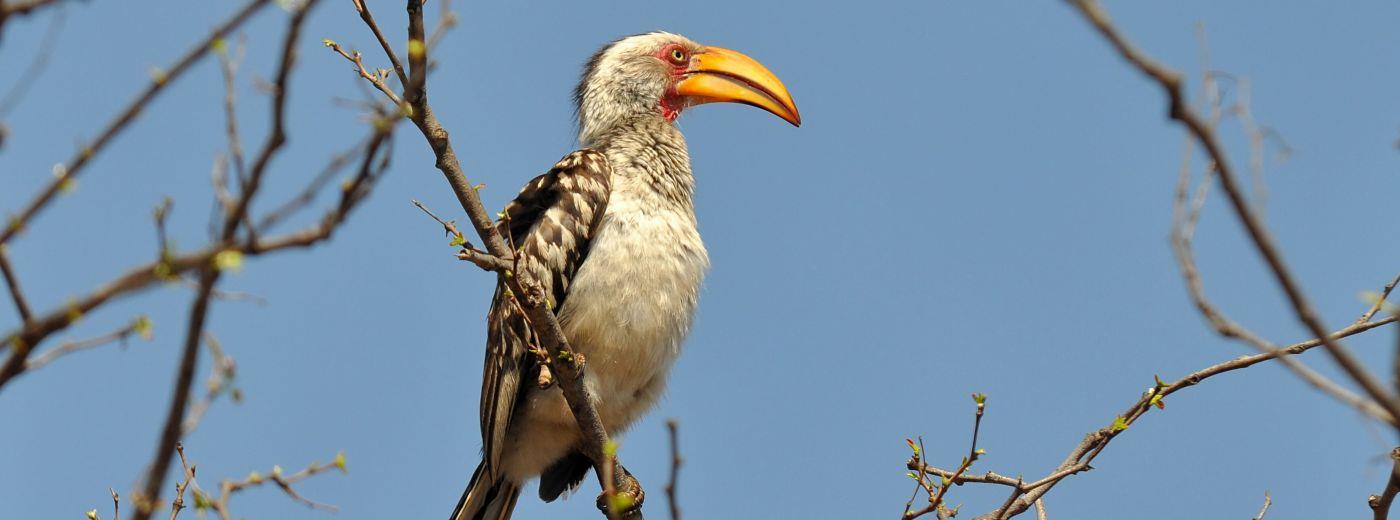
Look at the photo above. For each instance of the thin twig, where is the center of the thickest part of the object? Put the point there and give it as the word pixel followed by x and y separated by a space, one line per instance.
pixel 186 478
pixel 12 282
pixel 36 66
pixel 221 375
pixel 1380 301
pixel 140 326
pixel 375 78
pixel 672 427
pixel 468 252
pixel 228 66
pixel 368 18
pixel 1268 501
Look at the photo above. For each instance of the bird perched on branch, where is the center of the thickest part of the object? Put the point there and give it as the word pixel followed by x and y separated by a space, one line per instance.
pixel 610 233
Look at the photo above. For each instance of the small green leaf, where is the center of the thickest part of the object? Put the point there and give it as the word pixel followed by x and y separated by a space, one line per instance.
pixel 328 42
pixel 92 514
pixel 1119 424
pixel 74 313
pixel 255 477
pixel 980 399
pixel 142 327
pixel 339 462
pixel 416 49
pixel 912 445
pixel 66 183
pixel 228 260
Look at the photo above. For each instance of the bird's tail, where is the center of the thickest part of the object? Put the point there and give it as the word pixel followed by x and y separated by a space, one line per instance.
pixel 487 499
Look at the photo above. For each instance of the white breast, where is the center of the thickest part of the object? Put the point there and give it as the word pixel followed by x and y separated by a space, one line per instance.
pixel 632 303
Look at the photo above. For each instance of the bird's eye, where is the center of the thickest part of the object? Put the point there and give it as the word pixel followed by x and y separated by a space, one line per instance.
pixel 678 55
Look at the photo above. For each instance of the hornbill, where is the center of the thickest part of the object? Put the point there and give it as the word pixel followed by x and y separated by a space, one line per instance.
pixel 609 232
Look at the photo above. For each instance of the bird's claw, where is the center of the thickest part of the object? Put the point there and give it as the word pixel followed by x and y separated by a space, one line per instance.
pixel 629 493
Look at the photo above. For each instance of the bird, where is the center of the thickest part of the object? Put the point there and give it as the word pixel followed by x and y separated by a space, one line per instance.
pixel 610 233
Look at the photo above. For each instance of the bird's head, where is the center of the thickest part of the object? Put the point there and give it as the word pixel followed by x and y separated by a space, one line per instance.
pixel 660 74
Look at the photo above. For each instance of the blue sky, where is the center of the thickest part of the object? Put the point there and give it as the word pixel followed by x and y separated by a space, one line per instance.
pixel 978 201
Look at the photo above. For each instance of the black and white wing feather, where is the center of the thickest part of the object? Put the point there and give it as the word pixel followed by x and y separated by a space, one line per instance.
pixel 549 225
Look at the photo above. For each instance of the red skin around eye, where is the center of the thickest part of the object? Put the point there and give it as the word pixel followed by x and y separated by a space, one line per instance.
pixel 672 103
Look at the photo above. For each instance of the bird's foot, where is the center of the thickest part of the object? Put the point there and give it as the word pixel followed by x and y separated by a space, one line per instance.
pixel 627 498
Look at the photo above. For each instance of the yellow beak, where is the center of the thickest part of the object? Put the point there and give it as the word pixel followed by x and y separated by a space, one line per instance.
pixel 721 75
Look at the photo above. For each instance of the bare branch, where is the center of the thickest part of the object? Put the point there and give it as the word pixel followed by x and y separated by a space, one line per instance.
pixel 1263 241
pixel 938 491
pixel 672 426
pixel 1265 509
pixel 229 487
pixel 68 172
pixel 1380 301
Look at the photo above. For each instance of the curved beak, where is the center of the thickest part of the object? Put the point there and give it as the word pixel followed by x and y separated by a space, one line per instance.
pixel 720 75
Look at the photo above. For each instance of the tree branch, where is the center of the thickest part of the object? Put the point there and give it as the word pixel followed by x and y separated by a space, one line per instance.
pixel 140 326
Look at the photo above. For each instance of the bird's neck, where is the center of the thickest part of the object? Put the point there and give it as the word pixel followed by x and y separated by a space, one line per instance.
pixel 649 159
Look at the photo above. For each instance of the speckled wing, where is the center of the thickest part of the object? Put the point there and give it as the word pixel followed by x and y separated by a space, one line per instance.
pixel 550 225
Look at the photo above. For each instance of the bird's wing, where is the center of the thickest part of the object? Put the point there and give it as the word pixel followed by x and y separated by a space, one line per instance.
pixel 549 225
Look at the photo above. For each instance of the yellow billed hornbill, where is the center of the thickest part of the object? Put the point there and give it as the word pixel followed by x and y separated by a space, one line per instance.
pixel 610 233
